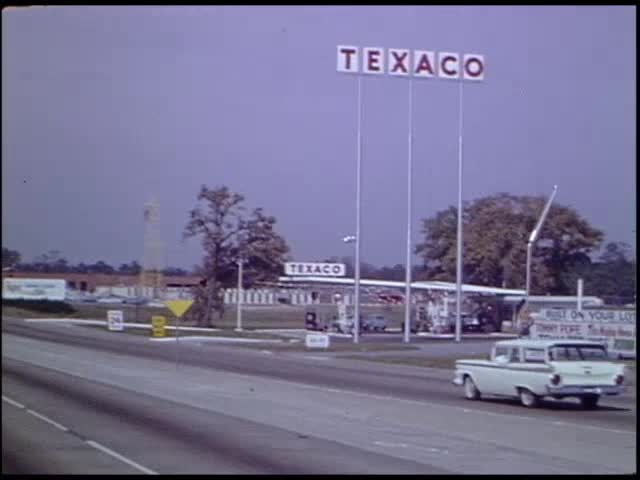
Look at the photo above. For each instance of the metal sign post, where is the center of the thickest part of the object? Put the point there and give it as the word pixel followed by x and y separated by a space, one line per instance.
pixel 178 307
pixel 239 303
pixel 459 236
pixel 407 291
pixel 425 64
pixel 356 313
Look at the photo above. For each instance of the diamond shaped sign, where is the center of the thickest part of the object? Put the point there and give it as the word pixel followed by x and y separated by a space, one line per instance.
pixel 178 307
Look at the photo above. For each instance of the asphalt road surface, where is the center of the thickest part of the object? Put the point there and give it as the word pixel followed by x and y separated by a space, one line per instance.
pixel 80 400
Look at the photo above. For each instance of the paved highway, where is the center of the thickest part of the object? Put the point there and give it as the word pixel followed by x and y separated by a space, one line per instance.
pixel 80 400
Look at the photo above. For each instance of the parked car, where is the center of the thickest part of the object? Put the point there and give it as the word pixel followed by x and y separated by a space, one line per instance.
pixel 111 300
pixel 533 369
pixel 477 323
pixel 135 301
pixel 374 323
pixel 343 325
pixel 312 322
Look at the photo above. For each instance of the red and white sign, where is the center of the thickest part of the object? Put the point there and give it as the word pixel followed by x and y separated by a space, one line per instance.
pixel 619 337
pixel 416 63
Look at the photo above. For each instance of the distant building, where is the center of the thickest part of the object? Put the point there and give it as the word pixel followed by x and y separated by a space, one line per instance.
pixel 89 282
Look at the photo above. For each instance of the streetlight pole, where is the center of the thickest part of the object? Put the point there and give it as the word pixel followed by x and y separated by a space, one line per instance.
pixel 239 315
pixel 532 239
pixel 350 239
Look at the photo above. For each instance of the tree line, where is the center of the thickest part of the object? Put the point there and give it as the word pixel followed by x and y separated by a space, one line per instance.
pixel 53 262
pixel 495 233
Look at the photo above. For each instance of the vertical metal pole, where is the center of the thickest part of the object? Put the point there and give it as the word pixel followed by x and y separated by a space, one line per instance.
pixel 580 294
pixel 177 340
pixel 239 316
pixel 407 290
pixel 532 239
pixel 356 313
pixel 523 310
pixel 459 259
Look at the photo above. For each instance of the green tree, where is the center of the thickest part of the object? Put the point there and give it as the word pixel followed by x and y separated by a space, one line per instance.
pixel 611 276
pixel 175 271
pixel 132 268
pixel 495 234
pixel 10 258
pixel 101 267
pixel 229 235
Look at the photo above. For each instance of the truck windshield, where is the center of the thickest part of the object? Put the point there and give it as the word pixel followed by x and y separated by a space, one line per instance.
pixel 577 353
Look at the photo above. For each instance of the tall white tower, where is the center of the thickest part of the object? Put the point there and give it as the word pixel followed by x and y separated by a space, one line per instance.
pixel 151 278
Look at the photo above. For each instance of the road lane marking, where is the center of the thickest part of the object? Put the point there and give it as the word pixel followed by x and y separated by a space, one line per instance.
pixel 591 427
pixel 108 451
pixel 440 451
pixel 12 402
pixel 48 420
pixel 90 442
pixel 391 444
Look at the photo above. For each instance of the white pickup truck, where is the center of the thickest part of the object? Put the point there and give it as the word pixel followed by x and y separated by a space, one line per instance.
pixel 533 369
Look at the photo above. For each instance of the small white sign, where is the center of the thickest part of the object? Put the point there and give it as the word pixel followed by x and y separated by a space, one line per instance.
pixel 317 340
pixel 313 269
pixel 114 320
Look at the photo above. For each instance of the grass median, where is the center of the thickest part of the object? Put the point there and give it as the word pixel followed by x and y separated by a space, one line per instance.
pixel 182 333
pixel 286 343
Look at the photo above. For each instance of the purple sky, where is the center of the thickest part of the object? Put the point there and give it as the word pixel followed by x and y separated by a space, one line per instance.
pixel 105 107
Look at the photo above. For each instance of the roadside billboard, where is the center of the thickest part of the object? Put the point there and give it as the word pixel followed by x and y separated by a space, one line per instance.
pixel 33 289
pixel 615 328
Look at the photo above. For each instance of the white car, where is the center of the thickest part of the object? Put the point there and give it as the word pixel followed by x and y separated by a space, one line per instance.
pixel 533 369
pixel 110 300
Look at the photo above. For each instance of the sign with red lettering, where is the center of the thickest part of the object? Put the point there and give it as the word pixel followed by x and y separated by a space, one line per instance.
pixel 410 63
pixel 619 337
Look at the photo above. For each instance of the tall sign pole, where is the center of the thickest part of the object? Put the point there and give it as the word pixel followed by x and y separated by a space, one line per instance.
pixel 348 61
pixel 425 64
pixel 356 312
pixel 459 235
pixel 407 291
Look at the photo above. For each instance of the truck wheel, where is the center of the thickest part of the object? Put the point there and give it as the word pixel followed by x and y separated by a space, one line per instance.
pixel 470 390
pixel 589 401
pixel 528 398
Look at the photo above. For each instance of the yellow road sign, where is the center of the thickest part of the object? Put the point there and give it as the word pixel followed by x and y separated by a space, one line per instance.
pixel 158 324
pixel 178 307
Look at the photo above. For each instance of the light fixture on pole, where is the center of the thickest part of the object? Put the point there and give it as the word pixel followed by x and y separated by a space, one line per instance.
pixel 532 239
